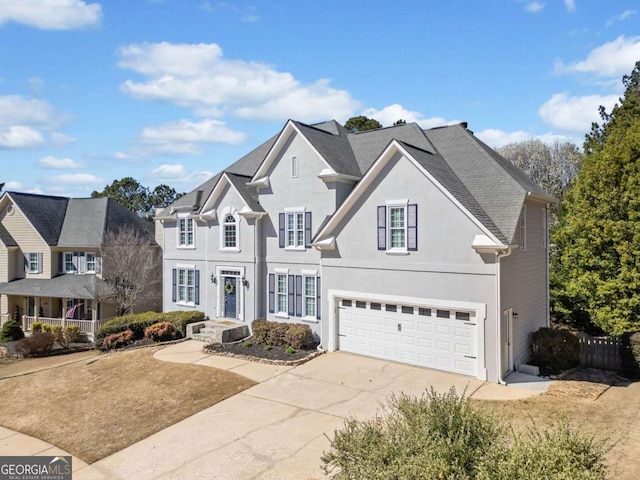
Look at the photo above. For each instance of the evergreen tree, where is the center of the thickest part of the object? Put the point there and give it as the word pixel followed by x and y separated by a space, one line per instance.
pixel 595 277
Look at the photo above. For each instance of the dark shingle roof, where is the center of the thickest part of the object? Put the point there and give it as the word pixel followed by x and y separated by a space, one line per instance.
pixel 334 148
pixel 249 194
pixel 46 213
pixel 6 237
pixel 70 286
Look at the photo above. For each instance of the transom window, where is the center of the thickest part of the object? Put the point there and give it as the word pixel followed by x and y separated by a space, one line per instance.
pixel 230 232
pixel 294 167
pixel 69 264
pixel 397 227
pixel 186 285
pixel 185 232
pixel 295 229
pixel 281 292
pixel 33 263
pixel 91 262
pixel 310 297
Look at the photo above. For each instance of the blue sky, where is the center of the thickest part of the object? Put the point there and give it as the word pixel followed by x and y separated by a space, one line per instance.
pixel 172 91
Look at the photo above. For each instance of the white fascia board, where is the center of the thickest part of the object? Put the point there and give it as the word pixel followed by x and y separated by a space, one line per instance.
pixel 289 129
pixel 330 175
pixel 328 243
pixel 542 198
pixel 246 212
pixel 209 215
pixel 483 244
pixel 259 183
pixel 217 191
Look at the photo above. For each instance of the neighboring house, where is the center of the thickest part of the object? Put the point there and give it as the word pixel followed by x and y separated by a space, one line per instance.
pixel 419 246
pixel 50 263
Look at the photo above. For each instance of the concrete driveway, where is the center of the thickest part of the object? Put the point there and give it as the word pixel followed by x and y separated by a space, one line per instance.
pixel 279 428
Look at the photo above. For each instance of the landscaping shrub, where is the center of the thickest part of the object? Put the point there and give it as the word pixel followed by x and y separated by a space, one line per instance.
pixel 117 340
pixel 630 354
pixel 36 327
pixel 555 349
pixel 11 331
pixel 138 322
pixel 40 342
pixel 281 334
pixel 298 336
pixel 444 437
pixel 161 332
pixel 67 335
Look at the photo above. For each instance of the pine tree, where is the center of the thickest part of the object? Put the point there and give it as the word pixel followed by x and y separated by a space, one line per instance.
pixel 596 269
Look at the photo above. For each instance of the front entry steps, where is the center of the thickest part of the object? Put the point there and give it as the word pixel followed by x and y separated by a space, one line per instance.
pixel 217 331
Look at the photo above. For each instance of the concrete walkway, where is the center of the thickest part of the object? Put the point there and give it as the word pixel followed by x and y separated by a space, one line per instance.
pixel 279 428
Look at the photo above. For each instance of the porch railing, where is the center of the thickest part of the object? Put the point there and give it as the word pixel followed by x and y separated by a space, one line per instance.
pixel 88 327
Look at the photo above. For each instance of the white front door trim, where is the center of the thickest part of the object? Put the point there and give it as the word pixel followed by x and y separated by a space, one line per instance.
pixel 239 274
pixel 480 308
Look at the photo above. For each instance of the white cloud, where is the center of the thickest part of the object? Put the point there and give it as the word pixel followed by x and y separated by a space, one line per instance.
pixel 185 131
pixel 13 185
pixel 499 138
pixel 76 179
pixel 196 76
pixel 51 14
pixel 392 113
pixel 574 114
pixel 17 110
pixel 612 59
pixel 20 136
pixel 176 173
pixel 620 18
pixel 58 163
pixel 570 4
pixel 60 140
pixel 534 7
pixel 248 14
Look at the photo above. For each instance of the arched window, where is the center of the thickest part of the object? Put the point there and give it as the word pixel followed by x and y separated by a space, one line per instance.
pixel 230 232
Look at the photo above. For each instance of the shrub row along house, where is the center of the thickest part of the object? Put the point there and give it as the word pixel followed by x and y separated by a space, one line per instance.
pixel 51 258
pixel 419 246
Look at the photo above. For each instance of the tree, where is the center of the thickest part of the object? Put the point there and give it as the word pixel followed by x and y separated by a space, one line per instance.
pixel 132 266
pixel 362 123
pixel 553 167
pixel 400 122
pixel 1 186
pixel 595 277
pixel 129 193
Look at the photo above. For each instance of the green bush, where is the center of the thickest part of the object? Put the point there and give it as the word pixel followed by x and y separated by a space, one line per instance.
pixel 444 437
pixel 161 332
pixel 283 334
pixel 36 327
pixel 117 340
pixel 436 436
pixel 138 322
pixel 40 342
pixel 555 349
pixel 67 335
pixel 11 331
pixel 630 354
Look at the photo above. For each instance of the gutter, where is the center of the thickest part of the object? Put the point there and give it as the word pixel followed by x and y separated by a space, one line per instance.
pixel 500 254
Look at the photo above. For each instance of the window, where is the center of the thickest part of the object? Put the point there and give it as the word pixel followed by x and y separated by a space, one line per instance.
pixel 295 229
pixel 294 167
pixel 361 304
pixel 33 263
pixel 282 294
pixel 69 264
pixel 186 286
pixel 407 310
pixel 310 297
pixel 185 232
pixel 426 312
pixel 91 262
pixel 543 228
pixel 230 237
pixel 391 308
pixel 522 229
pixel 442 313
pixel 463 316
pixel 346 303
pixel 376 306
pixel 398 227
pixel 88 309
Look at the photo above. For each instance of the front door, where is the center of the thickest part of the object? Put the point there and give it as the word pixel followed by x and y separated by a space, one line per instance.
pixel 230 296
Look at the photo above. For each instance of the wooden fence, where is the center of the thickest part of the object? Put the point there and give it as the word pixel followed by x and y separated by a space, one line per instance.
pixel 600 352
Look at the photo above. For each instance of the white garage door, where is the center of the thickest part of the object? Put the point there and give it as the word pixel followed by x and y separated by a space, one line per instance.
pixel 441 338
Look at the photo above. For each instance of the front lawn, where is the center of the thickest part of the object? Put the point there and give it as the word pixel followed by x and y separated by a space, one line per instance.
pixel 101 404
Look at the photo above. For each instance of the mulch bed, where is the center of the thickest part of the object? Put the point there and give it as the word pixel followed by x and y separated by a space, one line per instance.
pixel 586 383
pixel 276 355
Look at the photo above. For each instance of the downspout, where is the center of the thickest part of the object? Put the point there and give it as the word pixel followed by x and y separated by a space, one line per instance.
pixel 256 267
pixel 499 255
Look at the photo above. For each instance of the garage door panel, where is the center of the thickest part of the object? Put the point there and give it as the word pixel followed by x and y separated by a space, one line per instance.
pixel 436 338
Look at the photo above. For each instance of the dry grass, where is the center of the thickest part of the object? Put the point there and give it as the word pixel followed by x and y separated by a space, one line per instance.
pixel 615 414
pixel 100 405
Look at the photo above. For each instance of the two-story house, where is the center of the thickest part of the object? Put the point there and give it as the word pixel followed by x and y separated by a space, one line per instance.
pixel 50 258
pixel 419 246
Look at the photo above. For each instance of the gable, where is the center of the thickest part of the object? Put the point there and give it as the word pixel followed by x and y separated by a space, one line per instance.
pixel 18 229
pixel 45 213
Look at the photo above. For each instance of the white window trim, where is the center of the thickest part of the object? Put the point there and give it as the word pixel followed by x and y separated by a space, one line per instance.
pixel 186 245
pixel 295 212
pixel 37 269
pixel 404 204
pixel 277 293
pixel 294 166
pixel 223 216
pixel 186 269
pixel 239 289
pixel 305 317
pixel 86 262
pixel 522 229
pixel 74 268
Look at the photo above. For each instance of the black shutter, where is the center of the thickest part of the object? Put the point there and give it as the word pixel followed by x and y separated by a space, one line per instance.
pixel 281 230
pixel 290 295
pixel 174 287
pixel 60 262
pixel 382 227
pixel 272 294
pixel 26 262
pixel 412 227
pixel 318 297
pixel 298 295
pixel 197 287
pixel 307 229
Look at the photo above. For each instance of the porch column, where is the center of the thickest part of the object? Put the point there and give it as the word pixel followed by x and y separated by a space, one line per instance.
pixel 36 308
